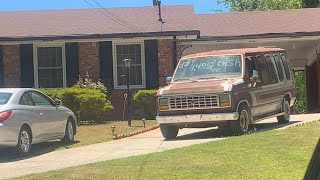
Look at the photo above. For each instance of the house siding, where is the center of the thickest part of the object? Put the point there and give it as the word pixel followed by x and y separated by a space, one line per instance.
pixel 165 60
pixel 89 60
pixel 11 66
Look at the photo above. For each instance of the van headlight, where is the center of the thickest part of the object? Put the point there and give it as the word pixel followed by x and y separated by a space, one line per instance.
pixel 163 104
pixel 224 100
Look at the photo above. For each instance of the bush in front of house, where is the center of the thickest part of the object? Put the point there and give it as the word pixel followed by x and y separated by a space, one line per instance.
pixel 147 99
pixel 87 104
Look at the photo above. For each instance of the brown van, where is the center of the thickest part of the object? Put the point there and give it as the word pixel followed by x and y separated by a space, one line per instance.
pixel 233 88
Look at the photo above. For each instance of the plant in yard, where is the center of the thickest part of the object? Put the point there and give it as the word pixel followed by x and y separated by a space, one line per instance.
pixel 147 99
pixel 88 83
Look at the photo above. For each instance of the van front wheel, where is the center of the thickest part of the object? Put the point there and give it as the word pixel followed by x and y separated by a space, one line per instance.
pixel 169 132
pixel 242 125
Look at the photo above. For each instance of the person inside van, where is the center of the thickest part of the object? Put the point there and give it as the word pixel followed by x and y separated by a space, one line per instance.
pixel 251 71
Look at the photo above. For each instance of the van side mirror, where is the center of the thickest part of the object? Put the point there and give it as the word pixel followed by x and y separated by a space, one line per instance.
pixel 168 79
pixel 255 74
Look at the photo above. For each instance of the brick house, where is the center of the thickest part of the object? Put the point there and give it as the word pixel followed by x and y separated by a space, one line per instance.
pixel 51 48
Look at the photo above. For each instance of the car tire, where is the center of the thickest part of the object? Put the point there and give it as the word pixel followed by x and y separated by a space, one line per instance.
pixel 24 141
pixel 69 132
pixel 169 132
pixel 243 124
pixel 285 118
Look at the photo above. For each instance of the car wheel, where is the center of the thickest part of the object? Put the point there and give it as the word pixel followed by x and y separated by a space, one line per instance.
pixel 69 134
pixel 24 141
pixel 169 132
pixel 285 118
pixel 242 125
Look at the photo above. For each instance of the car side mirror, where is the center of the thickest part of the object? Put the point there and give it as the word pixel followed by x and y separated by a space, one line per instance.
pixel 57 102
pixel 168 79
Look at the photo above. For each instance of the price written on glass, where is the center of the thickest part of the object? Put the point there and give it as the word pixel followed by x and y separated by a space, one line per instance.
pixel 214 65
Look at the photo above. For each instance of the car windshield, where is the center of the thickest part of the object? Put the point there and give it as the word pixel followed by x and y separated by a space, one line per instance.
pixel 4 97
pixel 209 67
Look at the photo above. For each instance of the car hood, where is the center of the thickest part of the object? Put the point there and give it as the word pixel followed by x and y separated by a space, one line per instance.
pixel 201 86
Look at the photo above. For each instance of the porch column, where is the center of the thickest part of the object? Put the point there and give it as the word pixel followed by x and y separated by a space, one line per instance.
pixel 318 83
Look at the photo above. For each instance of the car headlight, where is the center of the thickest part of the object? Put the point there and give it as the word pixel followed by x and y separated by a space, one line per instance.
pixel 224 100
pixel 163 104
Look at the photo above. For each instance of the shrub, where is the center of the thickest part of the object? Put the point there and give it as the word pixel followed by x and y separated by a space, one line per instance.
pixel 300 106
pixel 88 83
pixel 87 104
pixel 147 99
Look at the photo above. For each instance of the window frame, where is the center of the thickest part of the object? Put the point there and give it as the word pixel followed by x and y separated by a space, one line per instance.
pixel 115 69
pixel 35 62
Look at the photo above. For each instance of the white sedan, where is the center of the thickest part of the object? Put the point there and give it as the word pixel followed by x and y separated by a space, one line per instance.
pixel 27 116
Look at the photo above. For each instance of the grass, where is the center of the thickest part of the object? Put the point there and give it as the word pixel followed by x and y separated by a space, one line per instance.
pixel 86 135
pixel 272 154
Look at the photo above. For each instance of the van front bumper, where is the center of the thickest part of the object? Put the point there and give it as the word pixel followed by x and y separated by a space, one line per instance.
pixel 197 118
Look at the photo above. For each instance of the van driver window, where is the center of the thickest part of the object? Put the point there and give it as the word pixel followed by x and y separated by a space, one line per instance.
pixel 249 67
pixel 263 69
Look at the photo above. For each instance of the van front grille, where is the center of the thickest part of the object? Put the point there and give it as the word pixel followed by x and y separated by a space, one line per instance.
pixel 193 102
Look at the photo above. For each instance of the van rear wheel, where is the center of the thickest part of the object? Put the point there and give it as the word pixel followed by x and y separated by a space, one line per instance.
pixel 285 118
pixel 169 132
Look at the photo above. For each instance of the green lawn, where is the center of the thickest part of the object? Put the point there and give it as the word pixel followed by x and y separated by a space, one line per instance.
pixel 283 154
pixel 86 134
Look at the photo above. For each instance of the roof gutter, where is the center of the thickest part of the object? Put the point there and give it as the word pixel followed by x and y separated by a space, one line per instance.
pixel 95 36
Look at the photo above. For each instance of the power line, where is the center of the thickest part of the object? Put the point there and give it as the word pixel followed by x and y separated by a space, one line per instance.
pixel 114 17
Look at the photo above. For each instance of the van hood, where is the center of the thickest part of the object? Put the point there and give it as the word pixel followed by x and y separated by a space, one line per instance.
pixel 201 86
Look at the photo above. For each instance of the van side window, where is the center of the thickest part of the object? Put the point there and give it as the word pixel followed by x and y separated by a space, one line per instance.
pixel 279 66
pixel 249 67
pixel 262 69
pixel 272 70
pixel 285 65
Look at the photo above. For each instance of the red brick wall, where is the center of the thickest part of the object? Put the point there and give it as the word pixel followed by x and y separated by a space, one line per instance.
pixel 11 66
pixel 89 60
pixel 165 58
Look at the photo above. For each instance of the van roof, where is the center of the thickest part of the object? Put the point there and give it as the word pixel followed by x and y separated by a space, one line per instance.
pixel 233 51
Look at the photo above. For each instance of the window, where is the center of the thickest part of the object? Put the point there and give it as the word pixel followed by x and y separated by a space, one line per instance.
pixel 4 97
pixel 249 67
pixel 272 70
pixel 50 67
pixel 285 65
pixel 263 70
pixel 26 100
pixel 135 53
pixel 40 100
pixel 279 66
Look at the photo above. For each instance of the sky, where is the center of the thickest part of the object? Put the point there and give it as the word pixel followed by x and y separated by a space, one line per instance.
pixel 201 6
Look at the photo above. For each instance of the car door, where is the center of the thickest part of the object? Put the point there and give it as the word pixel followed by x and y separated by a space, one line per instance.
pixel 51 117
pixel 28 113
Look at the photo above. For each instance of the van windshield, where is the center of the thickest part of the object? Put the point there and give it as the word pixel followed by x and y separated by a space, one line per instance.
pixel 209 67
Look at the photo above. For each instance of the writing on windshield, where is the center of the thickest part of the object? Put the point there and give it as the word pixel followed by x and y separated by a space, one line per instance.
pixel 216 66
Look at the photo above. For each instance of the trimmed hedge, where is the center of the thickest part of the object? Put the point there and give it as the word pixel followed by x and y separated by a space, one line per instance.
pixel 87 104
pixel 147 99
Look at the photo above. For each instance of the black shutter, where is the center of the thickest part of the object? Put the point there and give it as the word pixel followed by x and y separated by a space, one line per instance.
pixel 72 63
pixel 1 68
pixel 106 63
pixel 152 72
pixel 26 65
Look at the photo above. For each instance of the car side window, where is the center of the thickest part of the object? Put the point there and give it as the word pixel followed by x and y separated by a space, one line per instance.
pixel 40 100
pixel 249 67
pixel 26 100
pixel 285 65
pixel 272 69
pixel 279 66
pixel 263 70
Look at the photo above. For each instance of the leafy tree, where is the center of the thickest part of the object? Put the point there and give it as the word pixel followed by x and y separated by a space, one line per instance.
pixel 263 5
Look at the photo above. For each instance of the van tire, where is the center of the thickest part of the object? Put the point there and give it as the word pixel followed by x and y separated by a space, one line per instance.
pixel 286 109
pixel 243 123
pixel 169 132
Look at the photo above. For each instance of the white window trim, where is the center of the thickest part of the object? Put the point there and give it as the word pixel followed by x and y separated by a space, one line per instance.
pixel 35 61
pixel 115 76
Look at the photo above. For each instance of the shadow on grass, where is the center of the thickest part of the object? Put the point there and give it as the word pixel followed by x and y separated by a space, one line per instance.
pixel 225 132
pixel 11 155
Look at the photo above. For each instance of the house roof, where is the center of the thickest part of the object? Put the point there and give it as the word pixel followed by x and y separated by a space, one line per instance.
pixel 259 23
pixel 95 22
pixel 234 52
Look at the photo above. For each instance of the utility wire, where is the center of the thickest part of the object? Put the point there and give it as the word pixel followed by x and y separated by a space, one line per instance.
pixel 115 18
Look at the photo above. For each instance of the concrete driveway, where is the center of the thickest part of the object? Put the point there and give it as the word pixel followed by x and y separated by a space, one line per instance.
pixel 149 142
